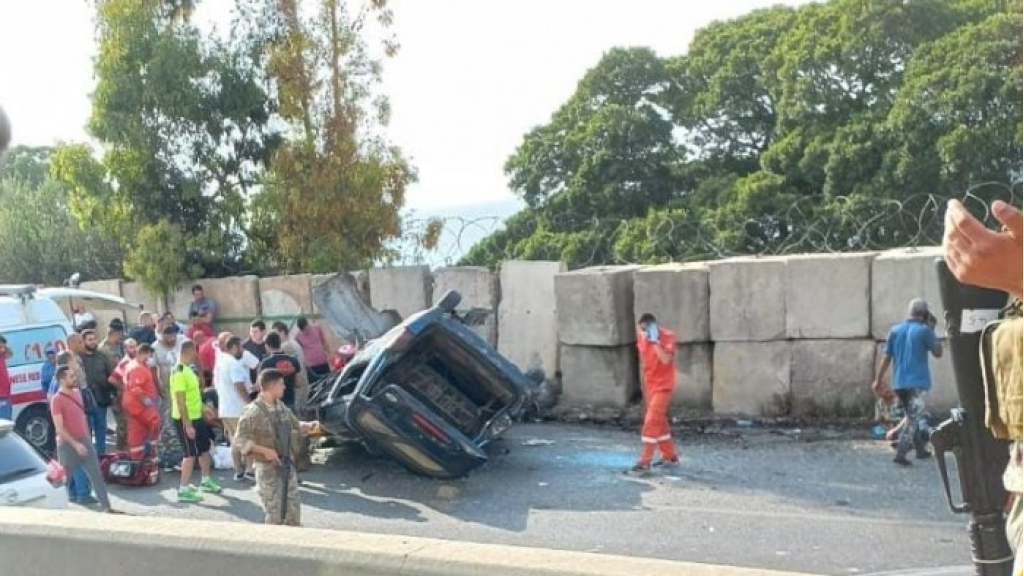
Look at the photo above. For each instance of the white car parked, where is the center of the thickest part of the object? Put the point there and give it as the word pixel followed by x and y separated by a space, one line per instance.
pixel 27 478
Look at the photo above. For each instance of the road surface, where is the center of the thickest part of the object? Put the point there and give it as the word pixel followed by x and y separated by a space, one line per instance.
pixel 811 501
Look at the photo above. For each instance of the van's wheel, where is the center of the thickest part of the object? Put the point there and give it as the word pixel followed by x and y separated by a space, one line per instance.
pixel 449 301
pixel 34 425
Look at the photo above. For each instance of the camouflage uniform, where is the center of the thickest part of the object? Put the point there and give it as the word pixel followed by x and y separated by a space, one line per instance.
pixel 258 426
pixel 1003 342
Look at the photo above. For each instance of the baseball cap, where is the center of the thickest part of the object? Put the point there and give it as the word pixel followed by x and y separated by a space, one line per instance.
pixel 918 307
pixel 50 350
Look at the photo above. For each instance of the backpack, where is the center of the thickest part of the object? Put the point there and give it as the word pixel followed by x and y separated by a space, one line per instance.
pixel 118 468
pixel 1002 362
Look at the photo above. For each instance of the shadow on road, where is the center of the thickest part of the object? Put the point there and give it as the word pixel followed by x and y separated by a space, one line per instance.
pixel 501 494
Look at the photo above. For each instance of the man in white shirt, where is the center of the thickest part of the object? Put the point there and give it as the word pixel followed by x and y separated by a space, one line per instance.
pixel 166 351
pixel 231 379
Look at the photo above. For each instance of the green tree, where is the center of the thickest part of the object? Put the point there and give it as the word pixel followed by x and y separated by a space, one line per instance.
pixel 332 198
pixel 184 125
pixel 827 127
pixel 159 259
pixel 40 241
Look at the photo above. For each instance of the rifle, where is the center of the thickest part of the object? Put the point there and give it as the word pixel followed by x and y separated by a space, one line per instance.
pixel 980 457
pixel 284 450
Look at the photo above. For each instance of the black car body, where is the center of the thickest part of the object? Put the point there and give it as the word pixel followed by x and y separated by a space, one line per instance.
pixel 430 392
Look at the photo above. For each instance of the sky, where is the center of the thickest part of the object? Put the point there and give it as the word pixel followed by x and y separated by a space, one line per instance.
pixel 471 78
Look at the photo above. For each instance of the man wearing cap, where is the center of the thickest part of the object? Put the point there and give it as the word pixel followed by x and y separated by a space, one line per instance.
pixel 907 349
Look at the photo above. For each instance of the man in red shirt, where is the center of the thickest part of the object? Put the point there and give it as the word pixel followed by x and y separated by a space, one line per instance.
pixel 74 439
pixel 141 405
pixel 6 400
pixel 657 348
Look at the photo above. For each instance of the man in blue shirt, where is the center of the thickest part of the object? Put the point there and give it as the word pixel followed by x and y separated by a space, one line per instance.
pixel 907 350
pixel 48 370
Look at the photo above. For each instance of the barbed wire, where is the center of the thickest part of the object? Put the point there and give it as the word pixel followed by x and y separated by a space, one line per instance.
pixel 806 225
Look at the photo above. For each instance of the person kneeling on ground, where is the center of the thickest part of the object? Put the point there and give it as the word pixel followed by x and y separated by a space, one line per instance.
pixel 196 437
pixel 262 429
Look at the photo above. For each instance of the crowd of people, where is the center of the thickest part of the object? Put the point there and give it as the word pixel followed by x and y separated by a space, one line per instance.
pixel 176 391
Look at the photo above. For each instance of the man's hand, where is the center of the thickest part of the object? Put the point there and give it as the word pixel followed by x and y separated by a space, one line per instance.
pixel 190 432
pixel 81 449
pixel 272 456
pixel 983 257
pixel 879 387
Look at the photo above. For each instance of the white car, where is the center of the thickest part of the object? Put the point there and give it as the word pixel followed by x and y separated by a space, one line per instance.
pixel 27 478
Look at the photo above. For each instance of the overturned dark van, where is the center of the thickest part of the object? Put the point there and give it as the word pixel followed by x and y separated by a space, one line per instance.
pixel 429 392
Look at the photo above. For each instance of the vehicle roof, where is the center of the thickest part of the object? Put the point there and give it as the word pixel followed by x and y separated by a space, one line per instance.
pixel 15 312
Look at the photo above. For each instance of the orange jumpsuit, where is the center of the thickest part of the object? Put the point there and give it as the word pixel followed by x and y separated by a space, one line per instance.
pixel 659 382
pixel 142 406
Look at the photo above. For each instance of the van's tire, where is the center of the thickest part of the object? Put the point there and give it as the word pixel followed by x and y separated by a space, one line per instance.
pixel 35 425
pixel 449 301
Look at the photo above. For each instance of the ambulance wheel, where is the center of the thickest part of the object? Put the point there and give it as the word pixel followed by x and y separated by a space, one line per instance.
pixel 34 425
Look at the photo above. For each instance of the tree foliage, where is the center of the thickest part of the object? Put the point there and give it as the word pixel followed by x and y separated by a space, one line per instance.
pixel 40 241
pixel 185 129
pixel 159 259
pixel 784 129
pixel 332 197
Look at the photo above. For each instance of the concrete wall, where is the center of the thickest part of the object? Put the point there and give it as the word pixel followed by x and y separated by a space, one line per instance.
pixel 237 299
pixel 405 289
pixel 479 289
pixel 794 335
pixel 135 292
pixel 528 315
pixel 52 543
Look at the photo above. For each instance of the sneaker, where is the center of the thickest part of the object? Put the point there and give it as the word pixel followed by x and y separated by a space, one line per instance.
pixel 250 474
pixel 901 460
pixel 673 463
pixel 240 477
pixel 89 500
pixel 640 470
pixel 923 454
pixel 211 485
pixel 189 495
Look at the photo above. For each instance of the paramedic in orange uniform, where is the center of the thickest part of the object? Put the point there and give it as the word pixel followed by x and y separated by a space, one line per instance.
pixel 657 348
pixel 141 405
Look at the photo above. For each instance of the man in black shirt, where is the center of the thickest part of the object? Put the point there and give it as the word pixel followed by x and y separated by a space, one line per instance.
pixel 256 344
pixel 145 332
pixel 286 364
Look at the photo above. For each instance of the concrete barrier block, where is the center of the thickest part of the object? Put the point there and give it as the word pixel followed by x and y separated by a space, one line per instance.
pixel 237 300
pixel 405 289
pixel 693 377
pixel 286 297
pixel 135 292
pixel 897 277
pixel 479 289
pixel 751 378
pixel 943 396
pixel 832 377
pixel 828 295
pixel 527 315
pixel 748 299
pixel 604 377
pixel 595 306
pixel 103 317
pixel 678 296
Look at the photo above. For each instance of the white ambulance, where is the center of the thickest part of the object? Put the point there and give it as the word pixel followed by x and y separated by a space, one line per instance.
pixel 31 319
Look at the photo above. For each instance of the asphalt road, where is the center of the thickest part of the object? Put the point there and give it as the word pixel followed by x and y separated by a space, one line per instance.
pixel 813 501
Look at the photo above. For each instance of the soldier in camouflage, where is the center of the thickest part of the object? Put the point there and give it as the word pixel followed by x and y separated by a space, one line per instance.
pixel 993 259
pixel 264 425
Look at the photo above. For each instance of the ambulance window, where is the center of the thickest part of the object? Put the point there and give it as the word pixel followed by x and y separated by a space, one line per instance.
pixel 29 346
